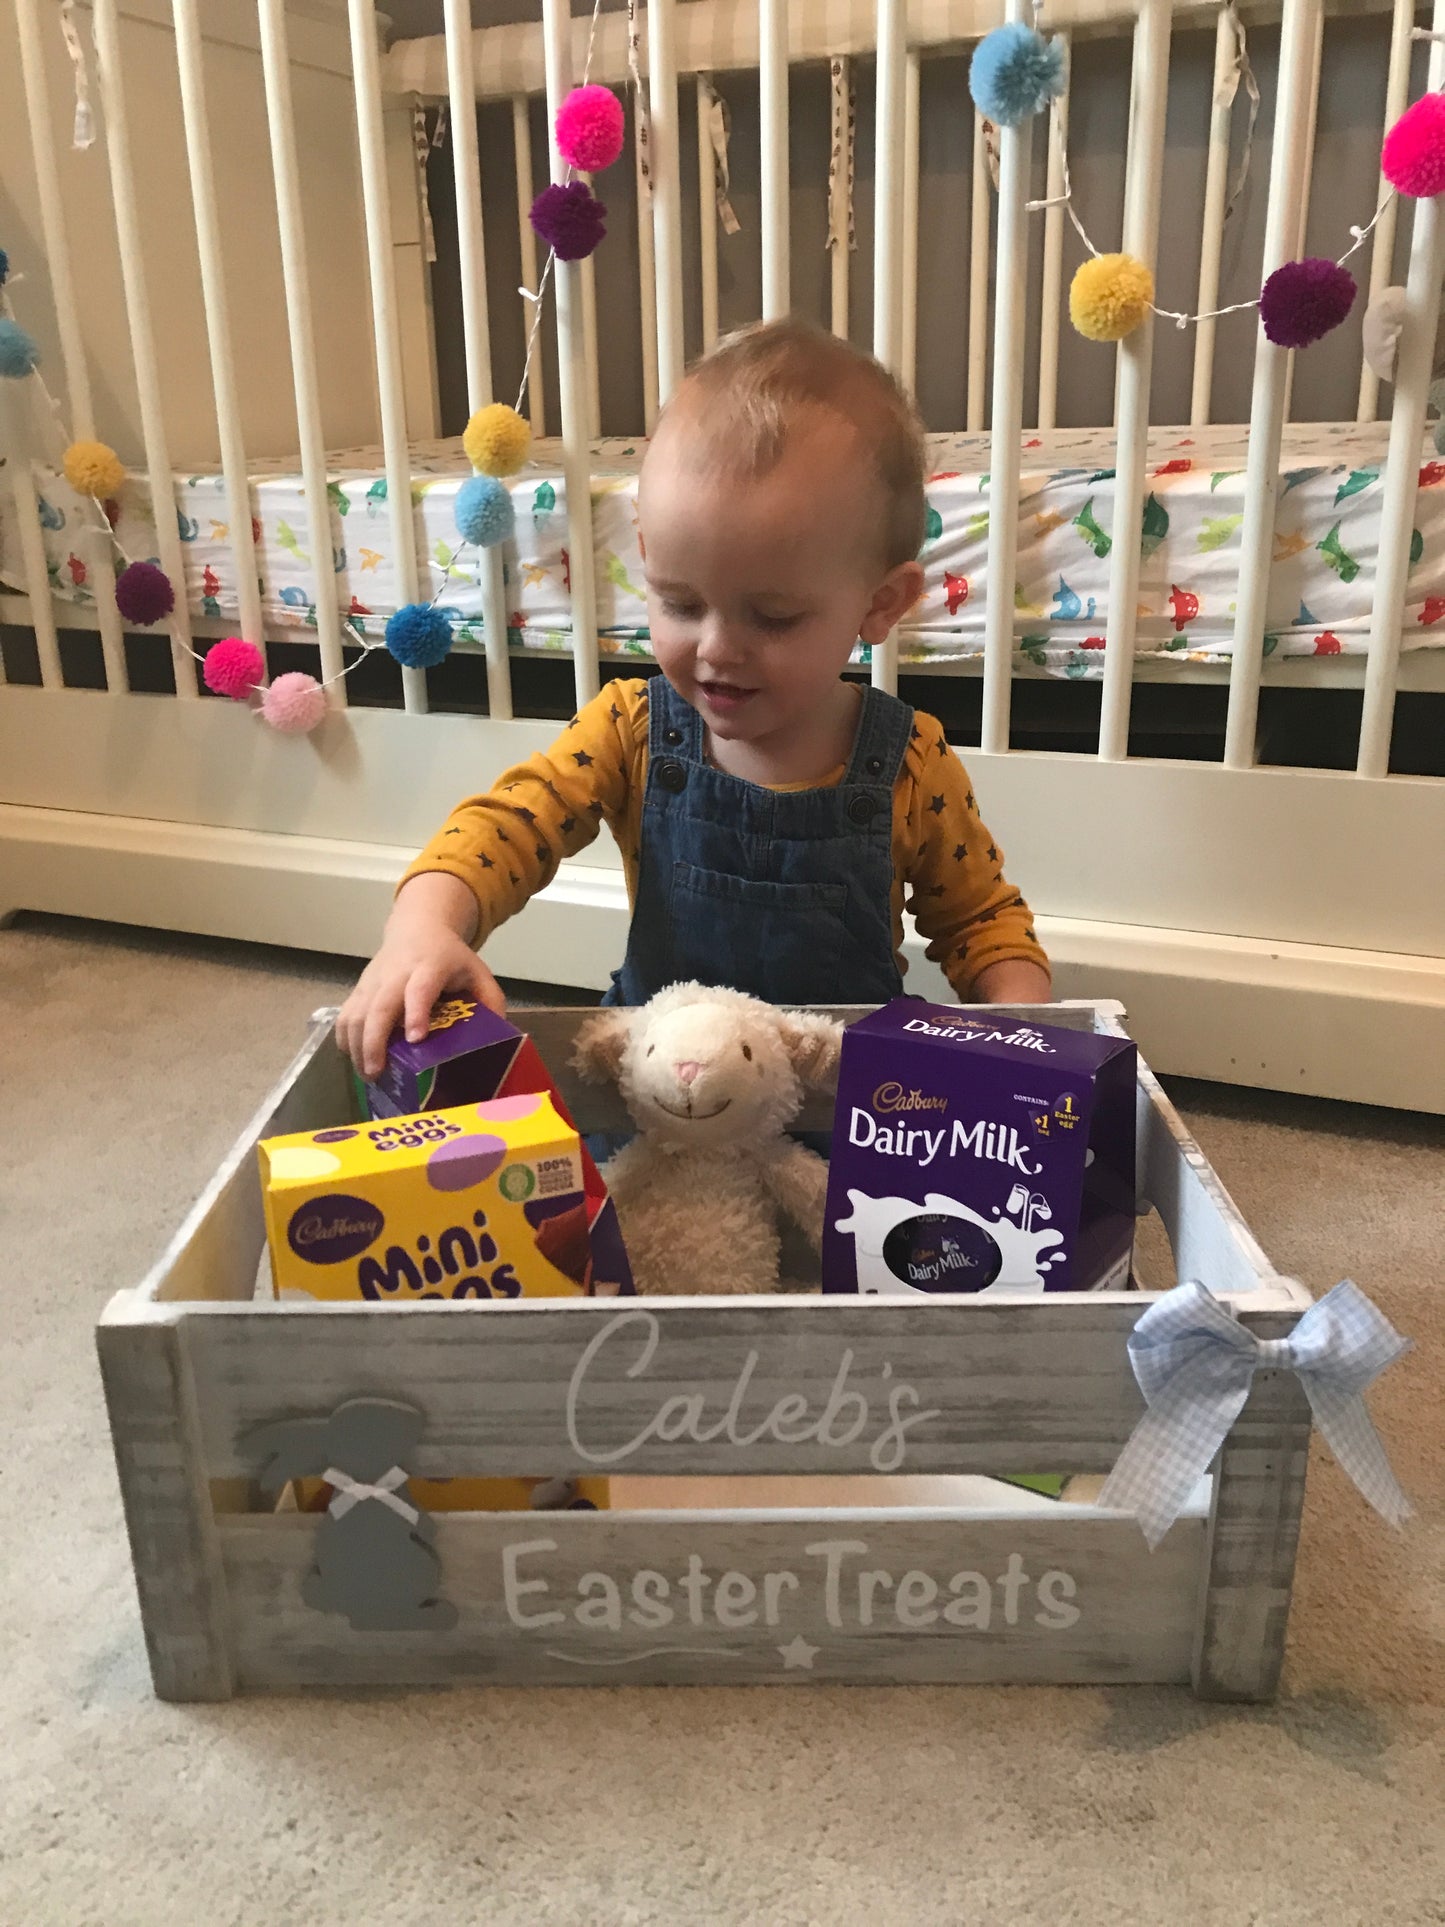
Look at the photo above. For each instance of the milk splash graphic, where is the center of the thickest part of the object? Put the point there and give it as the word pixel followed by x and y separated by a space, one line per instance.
pixel 1027 1254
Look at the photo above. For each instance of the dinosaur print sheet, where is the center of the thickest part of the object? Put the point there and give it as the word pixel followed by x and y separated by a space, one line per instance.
pixel 1325 541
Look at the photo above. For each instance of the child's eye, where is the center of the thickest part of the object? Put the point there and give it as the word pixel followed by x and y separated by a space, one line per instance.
pixel 776 625
pixel 680 611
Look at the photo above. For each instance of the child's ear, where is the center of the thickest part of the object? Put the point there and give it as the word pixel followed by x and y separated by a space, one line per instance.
pixel 814 1045
pixel 892 600
pixel 600 1045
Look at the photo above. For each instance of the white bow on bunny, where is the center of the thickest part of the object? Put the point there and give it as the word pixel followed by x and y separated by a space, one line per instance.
pixel 712 1079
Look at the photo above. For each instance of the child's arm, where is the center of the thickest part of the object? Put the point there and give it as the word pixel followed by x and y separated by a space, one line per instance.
pixel 494 852
pixel 979 928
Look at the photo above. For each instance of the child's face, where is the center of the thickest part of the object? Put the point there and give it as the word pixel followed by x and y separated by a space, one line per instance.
pixel 757 590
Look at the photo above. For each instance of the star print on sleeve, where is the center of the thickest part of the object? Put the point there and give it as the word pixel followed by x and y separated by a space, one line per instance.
pixel 581 759
pixel 938 806
pixel 960 851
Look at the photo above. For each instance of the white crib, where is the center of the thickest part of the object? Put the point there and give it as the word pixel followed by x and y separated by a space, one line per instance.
pixel 1266 924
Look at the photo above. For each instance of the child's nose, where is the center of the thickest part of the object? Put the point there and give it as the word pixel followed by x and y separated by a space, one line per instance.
pixel 687 1073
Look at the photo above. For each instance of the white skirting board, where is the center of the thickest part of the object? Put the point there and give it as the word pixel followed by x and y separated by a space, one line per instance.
pixel 1353 1024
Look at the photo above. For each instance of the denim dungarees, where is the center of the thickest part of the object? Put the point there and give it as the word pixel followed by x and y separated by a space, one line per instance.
pixel 786 895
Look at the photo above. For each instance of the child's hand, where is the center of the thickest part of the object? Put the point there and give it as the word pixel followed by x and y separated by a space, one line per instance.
pixel 423 953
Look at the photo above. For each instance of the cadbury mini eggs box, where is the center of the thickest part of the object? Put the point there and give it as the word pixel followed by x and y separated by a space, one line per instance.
pixel 975 1154
pixel 477 1201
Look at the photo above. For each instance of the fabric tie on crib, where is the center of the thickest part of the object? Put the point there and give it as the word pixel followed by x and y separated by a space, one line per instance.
pixel 1195 1362
pixel 350 1492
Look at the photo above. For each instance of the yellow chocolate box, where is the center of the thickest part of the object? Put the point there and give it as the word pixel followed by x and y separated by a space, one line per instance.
pixel 479 1201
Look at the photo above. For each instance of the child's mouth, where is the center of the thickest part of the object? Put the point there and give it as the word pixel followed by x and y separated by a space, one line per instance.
pixel 725 698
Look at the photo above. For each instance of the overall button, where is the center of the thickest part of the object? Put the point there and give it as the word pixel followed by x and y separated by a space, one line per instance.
pixel 874 766
pixel 672 737
pixel 672 776
pixel 862 808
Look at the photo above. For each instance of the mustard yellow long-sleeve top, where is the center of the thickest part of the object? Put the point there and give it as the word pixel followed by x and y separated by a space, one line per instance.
pixel 506 843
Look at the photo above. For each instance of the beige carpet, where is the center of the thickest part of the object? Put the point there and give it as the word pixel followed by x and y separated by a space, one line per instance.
pixel 127 1061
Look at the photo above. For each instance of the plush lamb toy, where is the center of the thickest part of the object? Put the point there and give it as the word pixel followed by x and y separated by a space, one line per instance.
pixel 712 1079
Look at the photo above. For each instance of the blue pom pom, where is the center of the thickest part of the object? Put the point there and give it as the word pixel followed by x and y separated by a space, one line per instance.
pixel 484 511
pixel 419 635
pixel 1015 73
pixel 18 353
pixel 4 267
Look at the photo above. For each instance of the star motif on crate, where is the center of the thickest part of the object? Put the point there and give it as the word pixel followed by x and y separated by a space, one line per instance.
pixel 798 1655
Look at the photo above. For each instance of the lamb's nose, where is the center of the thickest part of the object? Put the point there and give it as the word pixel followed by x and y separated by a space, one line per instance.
pixel 687 1073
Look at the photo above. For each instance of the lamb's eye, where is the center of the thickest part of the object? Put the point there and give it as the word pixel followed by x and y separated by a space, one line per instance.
pixel 748 1052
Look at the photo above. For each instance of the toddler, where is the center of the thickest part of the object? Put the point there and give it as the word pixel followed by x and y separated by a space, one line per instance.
pixel 773 817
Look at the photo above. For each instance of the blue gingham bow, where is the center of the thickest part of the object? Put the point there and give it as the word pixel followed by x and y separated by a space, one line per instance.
pixel 1194 1364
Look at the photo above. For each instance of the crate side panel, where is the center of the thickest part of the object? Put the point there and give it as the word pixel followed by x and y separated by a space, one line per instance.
pixel 738 1599
pixel 685 1386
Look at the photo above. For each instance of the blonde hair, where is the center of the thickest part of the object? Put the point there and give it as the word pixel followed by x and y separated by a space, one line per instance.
pixel 743 400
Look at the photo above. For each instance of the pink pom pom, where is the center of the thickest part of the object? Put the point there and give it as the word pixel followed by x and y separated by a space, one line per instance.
pixel 1413 157
pixel 569 220
pixel 590 128
pixel 294 704
pixel 233 668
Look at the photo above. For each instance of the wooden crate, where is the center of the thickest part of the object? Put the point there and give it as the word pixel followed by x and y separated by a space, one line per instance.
pixel 194 1364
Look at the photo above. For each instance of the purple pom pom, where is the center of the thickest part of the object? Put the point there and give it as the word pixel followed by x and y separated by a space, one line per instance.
pixel 143 594
pixel 1303 300
pixel 569 219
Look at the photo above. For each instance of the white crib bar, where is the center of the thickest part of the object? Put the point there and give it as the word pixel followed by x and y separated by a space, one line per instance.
pixel 476 329
pixel 838 217
pixel 1402 462
pixel 218 331
pixel 111 87
pixel 908 267
pixel 888 187
pixel 773 114
pixel 1211 243
pixel 572 379
pixel 366 82
pixel 1051 298
pixel 1266 412
pixel 96 548
pixel 646 269
pixel 15 443
pixel 978 261
pixel 666 193
pixel 526 194
pixel 1382 241
pixel 707 221
pixel 1303 210
pixel 588 279
pixel 280 117
pixel 1135 364
pixel 1006 423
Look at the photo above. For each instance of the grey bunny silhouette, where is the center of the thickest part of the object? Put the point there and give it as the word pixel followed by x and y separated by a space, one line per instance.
pixel 374 1564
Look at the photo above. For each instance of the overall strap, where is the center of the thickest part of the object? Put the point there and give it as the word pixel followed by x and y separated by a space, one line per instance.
pixel 879 747
pixel 674 727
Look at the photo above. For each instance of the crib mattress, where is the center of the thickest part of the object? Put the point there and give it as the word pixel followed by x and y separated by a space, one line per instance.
pixel 1325 543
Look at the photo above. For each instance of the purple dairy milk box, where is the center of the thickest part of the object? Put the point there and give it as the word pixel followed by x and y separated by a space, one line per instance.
pixel 975 1154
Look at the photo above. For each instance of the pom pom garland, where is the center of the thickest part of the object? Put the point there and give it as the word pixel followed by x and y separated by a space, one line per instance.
pixel 1109 296
pixel 418 635
pixel 1413 156
pixel 569 219
pixel 93 469
pixel 497 440
pixel 143 594
pixel 294 704
pixel 1303 300
pixel 19 355
pixel 590 128
pixel 233 668
pixel 485 515
pixel 1015 73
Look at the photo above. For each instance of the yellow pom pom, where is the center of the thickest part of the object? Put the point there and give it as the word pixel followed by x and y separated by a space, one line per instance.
pixel 93 469
pixel 497 440
pixel 1110 296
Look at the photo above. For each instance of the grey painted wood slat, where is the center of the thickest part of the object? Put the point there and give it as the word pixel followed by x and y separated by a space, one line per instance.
pixel 168 1513
pixel 696 1386
pixel 1112 1611
pixel 1253 1536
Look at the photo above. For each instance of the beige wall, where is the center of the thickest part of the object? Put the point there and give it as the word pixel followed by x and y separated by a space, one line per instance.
pixel 326 139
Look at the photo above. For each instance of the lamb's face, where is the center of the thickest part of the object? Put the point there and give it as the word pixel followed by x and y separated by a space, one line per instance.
pixel 705 1075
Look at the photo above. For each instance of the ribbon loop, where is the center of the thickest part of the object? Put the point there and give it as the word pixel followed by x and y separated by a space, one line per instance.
pixel 349 1492
pixel 1195 1363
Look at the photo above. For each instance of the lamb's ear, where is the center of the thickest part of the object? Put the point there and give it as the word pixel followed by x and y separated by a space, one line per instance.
pixel 814 1045
pixel 601 1042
